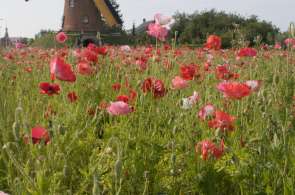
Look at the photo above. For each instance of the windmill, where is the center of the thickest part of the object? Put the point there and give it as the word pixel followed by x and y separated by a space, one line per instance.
pixel 88 18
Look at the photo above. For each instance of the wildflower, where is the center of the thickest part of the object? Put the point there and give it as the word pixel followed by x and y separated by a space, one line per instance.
pixel 49 89
pixel 247 52
pixel 234 90
pixel 222 121
pixel 206 111
pixel 179 83
pixel 157 31
pixel 62 71
pixel 61 37
pixel 39 134
pixel 188 72
pixel 209 149
pixel 84 68
pixel 253 84
pixel 119 108
pixel 189 102
pixel 213 42
pixel 158 89
pixel 72 96
pixel 163 20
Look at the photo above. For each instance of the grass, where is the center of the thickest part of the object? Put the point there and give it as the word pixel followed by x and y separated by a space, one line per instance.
pixel 152 150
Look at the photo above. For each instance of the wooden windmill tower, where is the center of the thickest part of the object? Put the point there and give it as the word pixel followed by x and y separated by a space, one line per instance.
pixel 88 18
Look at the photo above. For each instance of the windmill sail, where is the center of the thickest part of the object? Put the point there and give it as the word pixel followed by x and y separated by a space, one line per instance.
pixel 109 13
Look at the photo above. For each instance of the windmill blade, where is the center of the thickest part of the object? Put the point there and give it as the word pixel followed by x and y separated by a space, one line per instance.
pixel 108 12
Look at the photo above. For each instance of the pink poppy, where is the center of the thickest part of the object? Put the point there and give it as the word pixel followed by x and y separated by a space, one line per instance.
pixel 179 83
pixel 119 108
pixel 62 71
pixel 162 20
pixel 206 111
pixel 253 84
pixel 61 37
pixel 234 90
pixel 289 42
pixel 278 46
pixel 84 68
pixel 157 31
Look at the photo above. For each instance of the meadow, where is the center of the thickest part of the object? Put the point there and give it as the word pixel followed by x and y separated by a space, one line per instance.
pixel 157 119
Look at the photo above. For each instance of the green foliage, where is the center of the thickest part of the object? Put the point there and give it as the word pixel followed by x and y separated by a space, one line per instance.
pixel 195 28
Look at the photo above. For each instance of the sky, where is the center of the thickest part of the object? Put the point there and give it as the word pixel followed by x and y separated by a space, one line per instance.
pixel 25 19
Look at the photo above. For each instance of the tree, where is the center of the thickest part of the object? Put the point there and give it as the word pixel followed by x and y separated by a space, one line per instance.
pixel 195 28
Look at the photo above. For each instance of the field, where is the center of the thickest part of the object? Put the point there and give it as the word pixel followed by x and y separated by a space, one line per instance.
pixel 116 121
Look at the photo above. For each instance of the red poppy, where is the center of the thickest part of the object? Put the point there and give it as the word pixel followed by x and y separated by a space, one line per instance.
pixel 209 149
pixel 123 98
pixel 40 134
pixel 222 72
pixel 147 85
pixel 247 52
pixel 188 72
pixel 72 96
pixel 158 89
pixel 213 42
pixel 132 94
pixel 116 86
pixel 60 70
pixel 102 50
pixel 222 121
pixel 234 90
pixel 49 88
pixel 61 37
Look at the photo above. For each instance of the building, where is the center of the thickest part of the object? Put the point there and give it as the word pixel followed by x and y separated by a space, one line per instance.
pixel 88 18
pixel 5 41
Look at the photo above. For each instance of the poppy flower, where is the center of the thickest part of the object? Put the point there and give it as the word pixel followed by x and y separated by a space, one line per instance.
pixel 179 83
pixel 206 111
pixel 253 84
pixel 147 85
pixel 289 42
pixel 84 68
pixel 157 31
pixel 3 193
pixel 234 90
pixel 39 134
pixel 61 37
pixel 188 72
pixel 278 46
pixel 123 98
pixel 116 86
pixel 222 121
pixel 60 70
pixel 72 96
pixel 158 89
pixel 188 103
pixel 125 48
pixel 213 42
pixel 209 149
pixel 247 52
pixel 119 108
pixel 49 88
pixel 222 72
pixel 102 51
pixel 163 20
